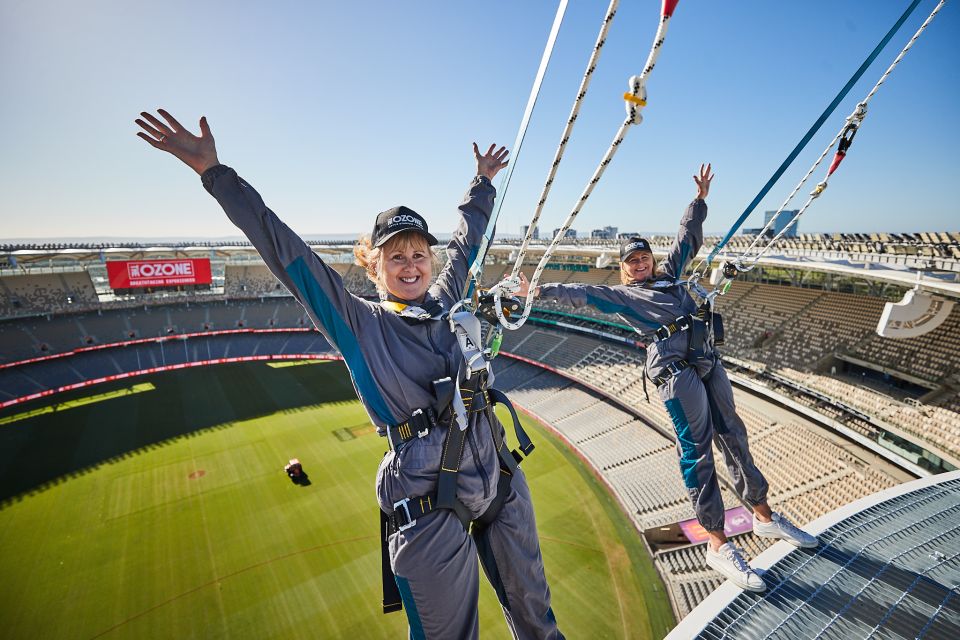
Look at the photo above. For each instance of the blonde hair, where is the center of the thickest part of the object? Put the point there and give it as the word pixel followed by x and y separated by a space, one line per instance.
pixel 625 279
pixel 371 258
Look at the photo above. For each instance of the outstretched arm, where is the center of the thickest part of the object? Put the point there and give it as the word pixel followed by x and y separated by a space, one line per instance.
pixel 690 237
pixel 475 213
pixel 336 312
pixel 603 298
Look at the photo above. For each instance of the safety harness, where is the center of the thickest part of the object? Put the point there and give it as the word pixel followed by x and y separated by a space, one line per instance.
pixel 456 409
pixel 704 327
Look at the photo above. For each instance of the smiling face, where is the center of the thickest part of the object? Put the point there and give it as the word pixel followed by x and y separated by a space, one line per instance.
pixel 405 267
pixel 637 267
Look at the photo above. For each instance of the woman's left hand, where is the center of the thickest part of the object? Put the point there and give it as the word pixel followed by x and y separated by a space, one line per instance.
pixel 703 182
pixel 524 291
pixel 490 163
pixel 197 152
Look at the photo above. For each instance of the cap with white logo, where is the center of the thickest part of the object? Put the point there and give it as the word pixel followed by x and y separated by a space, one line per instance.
pixel 630 245
pixel 397 220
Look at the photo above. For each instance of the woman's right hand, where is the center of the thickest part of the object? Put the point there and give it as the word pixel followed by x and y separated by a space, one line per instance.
pixel 703 182
pixel 490 163
pixel 197 152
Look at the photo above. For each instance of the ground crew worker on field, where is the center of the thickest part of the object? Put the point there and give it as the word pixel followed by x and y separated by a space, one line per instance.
pixel 691 381
pixel 406 365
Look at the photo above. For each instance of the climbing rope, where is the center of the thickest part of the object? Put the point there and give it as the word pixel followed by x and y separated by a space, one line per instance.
pixel 746 262
pixel 567 132
pixel 476 265
pixel 810 133
pixel 634 100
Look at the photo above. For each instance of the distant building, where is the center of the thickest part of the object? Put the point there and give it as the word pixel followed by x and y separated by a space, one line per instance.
pixel 782 221
pixel 606 233
pixel 571 233
pixel 536 231
pixel 627 234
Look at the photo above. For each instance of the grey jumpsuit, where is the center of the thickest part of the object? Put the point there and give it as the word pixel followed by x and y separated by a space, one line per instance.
pixel 392 364
pixel 699 399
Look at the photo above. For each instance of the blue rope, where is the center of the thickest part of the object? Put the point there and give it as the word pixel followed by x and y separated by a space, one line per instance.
pixel 816 126
pixel 476 267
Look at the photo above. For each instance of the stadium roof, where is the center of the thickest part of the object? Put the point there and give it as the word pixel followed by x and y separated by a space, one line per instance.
pixel 939 275
pixel 888 566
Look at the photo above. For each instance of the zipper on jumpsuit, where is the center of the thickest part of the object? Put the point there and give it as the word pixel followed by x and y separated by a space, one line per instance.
pixel 471 437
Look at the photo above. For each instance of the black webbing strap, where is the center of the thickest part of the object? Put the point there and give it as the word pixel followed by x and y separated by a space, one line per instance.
pixel 405 514
pixel 523 440
pixel 391 592
pixel 418 425
pixel 474 398
pixel 705 326
pixel 682 323
pixel 672 369
pixel 422 421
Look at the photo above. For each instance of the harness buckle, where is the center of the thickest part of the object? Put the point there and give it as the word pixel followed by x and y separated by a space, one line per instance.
pixel 405 504
pixel 421 433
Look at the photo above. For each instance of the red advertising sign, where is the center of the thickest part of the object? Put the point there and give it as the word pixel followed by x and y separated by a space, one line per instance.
pixel 736 520
pixel 172 272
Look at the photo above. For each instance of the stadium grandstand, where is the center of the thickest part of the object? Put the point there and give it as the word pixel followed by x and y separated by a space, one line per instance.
pixel 835 412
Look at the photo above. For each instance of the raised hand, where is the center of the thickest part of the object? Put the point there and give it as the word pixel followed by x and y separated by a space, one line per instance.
pixel 197 152
pixel 490 163
pixel 703 182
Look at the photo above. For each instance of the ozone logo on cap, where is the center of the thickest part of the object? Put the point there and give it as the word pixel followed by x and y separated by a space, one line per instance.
pixel 404 219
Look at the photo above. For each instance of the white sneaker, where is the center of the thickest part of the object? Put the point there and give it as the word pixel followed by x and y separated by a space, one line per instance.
pixel 729 561
pixel 781 528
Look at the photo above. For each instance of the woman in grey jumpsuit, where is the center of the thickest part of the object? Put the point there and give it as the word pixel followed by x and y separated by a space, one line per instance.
pixel 393 361
pixel 694 388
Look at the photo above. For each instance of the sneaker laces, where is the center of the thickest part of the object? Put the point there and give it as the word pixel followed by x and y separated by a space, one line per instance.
pixel 791 528
pixel 735 555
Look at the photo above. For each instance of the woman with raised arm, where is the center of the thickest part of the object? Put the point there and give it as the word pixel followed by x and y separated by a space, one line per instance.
pixel 691 381
pixel 407 366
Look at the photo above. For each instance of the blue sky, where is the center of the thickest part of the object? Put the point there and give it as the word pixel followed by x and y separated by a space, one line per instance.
pixel 338 110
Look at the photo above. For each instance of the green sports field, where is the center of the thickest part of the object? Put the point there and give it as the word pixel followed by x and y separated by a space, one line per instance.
pixel 158 508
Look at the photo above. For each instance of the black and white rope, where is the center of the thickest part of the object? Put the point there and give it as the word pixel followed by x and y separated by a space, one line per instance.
pixel 567 131
pixel 634 100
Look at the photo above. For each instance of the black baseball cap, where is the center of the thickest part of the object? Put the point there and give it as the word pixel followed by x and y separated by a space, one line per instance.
pixel 630 245
pixel 397 220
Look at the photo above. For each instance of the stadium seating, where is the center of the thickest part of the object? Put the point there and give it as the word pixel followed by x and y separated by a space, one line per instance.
pixel 785 337
pixel 250 281
pixel 809 475
pixel 42 293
